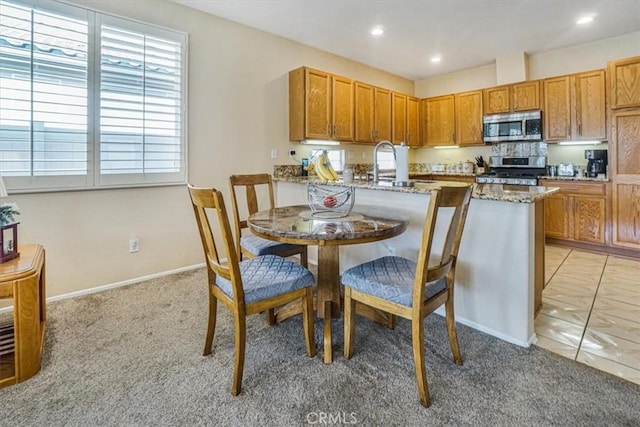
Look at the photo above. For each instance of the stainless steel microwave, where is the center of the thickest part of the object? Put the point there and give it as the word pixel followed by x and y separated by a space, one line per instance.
pixel 525 126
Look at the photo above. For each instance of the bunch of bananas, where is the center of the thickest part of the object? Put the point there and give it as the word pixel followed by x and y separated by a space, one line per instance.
pixel 323 168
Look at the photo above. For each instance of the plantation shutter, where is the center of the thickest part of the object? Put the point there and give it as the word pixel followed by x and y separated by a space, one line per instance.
pixel 141 83
pixel 43 94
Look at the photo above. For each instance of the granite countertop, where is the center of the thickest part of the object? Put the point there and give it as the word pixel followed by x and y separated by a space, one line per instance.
pixel 497 192
pixel 573 178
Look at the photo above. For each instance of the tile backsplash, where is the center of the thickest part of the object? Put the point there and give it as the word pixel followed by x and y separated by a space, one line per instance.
pixel 519 149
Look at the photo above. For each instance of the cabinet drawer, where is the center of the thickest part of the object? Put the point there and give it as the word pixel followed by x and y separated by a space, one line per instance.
pixel 578 188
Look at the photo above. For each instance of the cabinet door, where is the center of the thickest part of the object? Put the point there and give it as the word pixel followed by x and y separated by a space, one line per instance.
pixel 399 124
pixel 590 106
pixel 440 120
pixel 413 122
pixel 556 220
pixel 589 219
pixel 364 112
pixel 557 109
pixel 317 108
pixel 468 114
pixel 382 114
pixel 496 100
pixel 525 96
pixel 342 118
pixel 624 168
pixel 625 82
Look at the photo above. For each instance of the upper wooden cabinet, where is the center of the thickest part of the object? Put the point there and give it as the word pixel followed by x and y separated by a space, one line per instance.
pixel 510 98
pixel 406 119
pixel 321 106
pixel 624 75
pixel 468 118
pixel 372 113
pixel 453 119
pixel 438 116
pixel 575 107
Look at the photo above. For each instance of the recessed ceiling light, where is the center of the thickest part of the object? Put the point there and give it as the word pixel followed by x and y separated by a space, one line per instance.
pixel 584 20
pixel 377 31
pixel 436 59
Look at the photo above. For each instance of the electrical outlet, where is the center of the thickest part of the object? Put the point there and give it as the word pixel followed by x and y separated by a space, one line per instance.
pixel 292 153
pixel 134 245
pixel 364 156
pixel 349 155
pixel 274 153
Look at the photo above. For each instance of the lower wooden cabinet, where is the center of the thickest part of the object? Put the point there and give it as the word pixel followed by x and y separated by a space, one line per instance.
pixel 578 212
pixel 437 177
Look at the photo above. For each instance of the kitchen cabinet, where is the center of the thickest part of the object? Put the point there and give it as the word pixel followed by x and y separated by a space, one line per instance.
pixel 511 98
pixel 372 113
pixel 468 118
pixel 470 179
pixel 321 106
pixel 624 170
pixel 578 212
pixel 438 116
pixel 453 119
pixel 406 119
pixel 575 107
pixel 624 75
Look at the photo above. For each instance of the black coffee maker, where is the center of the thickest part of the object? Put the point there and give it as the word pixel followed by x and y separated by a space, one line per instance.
pixel 597 163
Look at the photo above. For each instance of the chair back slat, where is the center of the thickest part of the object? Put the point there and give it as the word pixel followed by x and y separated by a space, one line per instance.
pixel 250 182
pixel 445 197
pixel 204 199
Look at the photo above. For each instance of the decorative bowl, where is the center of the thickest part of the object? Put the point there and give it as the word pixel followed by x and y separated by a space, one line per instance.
pixel 327 202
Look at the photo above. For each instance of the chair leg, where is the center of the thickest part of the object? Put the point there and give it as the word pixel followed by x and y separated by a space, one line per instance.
pixel 211 324
pixel 307 320
pixel 349 322
pixel 241 338
pixel 271 317
pixel 303 257
pixel 417 338
pixel 391 321
pixel 451 331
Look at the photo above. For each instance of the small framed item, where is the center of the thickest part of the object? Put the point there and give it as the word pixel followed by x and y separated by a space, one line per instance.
pixel 9 242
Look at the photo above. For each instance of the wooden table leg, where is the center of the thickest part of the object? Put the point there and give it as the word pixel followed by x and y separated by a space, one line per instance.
pixel 328 292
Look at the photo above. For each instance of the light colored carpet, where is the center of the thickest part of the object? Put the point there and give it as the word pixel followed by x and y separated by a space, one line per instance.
pixel 132 356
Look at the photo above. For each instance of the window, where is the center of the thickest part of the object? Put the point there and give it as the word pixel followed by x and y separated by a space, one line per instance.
pixel 336 157
pixel 89 100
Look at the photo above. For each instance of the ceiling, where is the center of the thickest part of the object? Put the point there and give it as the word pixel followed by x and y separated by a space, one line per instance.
pixel 465 33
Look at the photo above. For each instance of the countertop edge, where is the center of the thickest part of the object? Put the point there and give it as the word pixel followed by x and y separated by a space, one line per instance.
pixel 493 192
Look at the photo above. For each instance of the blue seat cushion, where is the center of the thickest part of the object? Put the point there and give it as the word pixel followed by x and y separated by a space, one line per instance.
pixel 268 276
pixel 259 246
pixel 390 278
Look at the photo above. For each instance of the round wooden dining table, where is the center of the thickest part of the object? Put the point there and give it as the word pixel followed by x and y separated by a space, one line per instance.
pixel 299 225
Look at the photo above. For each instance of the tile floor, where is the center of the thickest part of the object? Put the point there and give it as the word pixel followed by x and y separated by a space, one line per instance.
pixel 591 310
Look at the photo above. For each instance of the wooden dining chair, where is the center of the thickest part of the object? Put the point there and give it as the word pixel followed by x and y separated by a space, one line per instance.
pixel 249 245
pixel 246 287
pixel 413 290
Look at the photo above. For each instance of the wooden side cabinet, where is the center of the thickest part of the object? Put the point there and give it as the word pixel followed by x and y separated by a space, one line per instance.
pixel 625 82
pixel 21 340
pixel 578 212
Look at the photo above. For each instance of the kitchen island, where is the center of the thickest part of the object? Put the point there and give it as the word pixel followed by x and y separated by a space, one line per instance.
pixel 500 269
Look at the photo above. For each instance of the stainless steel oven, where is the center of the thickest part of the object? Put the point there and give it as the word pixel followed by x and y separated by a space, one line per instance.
pixel 525 126
pixel 514 170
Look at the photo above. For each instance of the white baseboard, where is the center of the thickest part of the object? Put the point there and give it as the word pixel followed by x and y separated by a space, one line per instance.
pixel 114 285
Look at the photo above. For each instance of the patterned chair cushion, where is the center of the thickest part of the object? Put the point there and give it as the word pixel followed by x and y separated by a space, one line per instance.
pixel 259 246
pixel 390 278
pixel 268 276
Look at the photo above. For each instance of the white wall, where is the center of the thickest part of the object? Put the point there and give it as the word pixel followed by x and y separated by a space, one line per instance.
pixel 238 111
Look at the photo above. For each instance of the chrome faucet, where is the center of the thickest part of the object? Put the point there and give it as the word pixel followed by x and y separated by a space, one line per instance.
pixel 375 157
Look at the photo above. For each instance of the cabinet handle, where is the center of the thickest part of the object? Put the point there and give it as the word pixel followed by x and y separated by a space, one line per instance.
pixel 329 129
pixel 335 130
pixel 579 129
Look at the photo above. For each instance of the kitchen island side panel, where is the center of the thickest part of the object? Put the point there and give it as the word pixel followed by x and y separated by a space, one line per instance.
pixel 494 288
